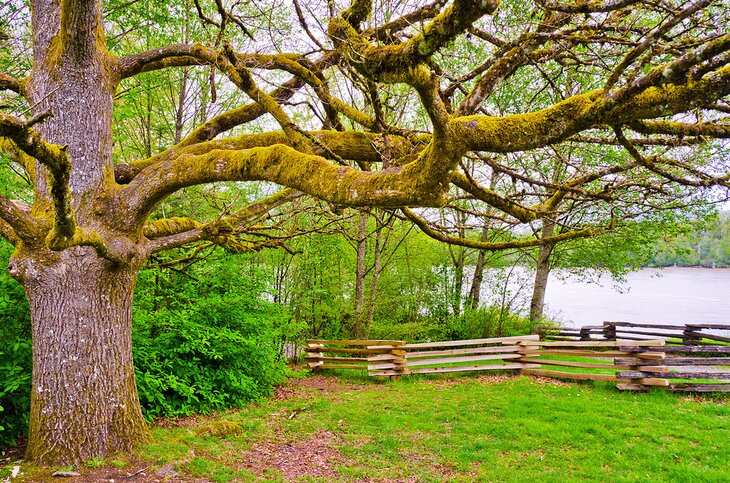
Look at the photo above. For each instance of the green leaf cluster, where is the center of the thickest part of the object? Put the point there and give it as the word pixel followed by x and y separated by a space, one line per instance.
pixel 205 341
pixel 15 356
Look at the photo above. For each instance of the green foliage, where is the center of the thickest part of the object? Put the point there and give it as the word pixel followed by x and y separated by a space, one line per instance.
pixel 484 322
pixel 15 356
pixel 204 344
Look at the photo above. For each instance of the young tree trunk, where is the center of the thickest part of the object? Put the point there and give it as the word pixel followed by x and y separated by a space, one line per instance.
pixel 476 282
pixel 84 401
pixel 362 248
pixel 542 271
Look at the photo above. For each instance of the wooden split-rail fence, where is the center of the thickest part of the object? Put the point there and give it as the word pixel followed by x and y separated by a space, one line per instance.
pixel 688 334
pixel 631 364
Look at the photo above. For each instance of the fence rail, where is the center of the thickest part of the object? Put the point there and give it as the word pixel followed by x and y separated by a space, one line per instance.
pixel 688 334
pixel 632 363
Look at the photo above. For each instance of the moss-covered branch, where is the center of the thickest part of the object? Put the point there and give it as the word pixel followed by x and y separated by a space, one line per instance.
pixel 522 132
pixel 16 223
pixel 53 157
pixel 27 162
pixel 175 232
pixel 495 246
pixel 421 182
pixel 178 55
pixel 587 6
pixel 681 129
pixel 64 233
pixel 8 233
pixel 8 83
pixel 355 146
pixel 394 63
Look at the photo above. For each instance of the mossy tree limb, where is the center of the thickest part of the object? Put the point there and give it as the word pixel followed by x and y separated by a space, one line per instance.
pixel 8 83
pixel 439 235
pixel 165 234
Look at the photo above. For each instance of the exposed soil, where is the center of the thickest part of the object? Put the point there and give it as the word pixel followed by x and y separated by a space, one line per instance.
pixel 312 457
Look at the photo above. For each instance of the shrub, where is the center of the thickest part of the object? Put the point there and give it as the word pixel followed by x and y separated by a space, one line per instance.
pixel 15 356
pixel 203 345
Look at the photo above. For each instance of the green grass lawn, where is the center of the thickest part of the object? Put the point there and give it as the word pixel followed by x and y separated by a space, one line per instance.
pixel 463 428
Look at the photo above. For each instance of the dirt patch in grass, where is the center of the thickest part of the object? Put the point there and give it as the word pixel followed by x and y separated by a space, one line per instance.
pixel 550 381
pixel 316 384
pixel 312 457
pixel 186 422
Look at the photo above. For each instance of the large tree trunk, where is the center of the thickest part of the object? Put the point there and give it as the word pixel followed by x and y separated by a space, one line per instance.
pixel 84 402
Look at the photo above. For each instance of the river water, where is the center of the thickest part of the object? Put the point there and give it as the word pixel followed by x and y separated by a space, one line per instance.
pixel 657 296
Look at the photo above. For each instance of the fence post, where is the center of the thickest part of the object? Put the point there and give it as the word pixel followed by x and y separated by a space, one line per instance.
pixel 690 336
pixel 525 352
pixel 609 331
pixel 585 333
pixel 388 360
pixel 314 356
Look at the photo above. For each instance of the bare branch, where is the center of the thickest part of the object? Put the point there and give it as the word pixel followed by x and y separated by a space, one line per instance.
pixel 651 39
pixel 701 179
pixel 493 199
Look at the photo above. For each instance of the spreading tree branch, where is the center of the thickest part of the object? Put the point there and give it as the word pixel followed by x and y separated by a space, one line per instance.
pixel 425 227
pixel 176 232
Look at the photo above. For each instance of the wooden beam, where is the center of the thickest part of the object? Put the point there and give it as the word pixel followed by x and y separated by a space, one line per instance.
pixel 495 367
pixel 355 342
pixel 459 343
pixel 620 343
pixel 469 350
pixel 699 387
pixel 722 376
pixel 453 360
pixel 594 377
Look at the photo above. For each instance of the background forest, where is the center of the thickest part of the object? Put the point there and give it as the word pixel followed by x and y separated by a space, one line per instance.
pixel 214 322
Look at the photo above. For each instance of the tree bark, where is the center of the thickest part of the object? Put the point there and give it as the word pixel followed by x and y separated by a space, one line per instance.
pixel 542 271
pixel 475 292
pixel 362 248
pixel 84 401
